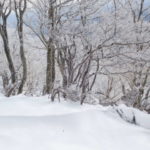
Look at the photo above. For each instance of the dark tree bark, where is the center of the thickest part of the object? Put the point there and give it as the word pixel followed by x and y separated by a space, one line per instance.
pixel 50 71
pixel 20 8
pixel 4 14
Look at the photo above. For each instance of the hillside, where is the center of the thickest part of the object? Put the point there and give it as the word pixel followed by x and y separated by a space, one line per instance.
pixel 34 123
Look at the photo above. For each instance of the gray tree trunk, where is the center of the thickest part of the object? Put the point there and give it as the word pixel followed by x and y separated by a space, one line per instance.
pixel 20 8
pixel 4 35
pixel 50 71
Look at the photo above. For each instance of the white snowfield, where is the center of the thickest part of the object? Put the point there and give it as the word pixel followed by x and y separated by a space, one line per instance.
pixel 31 123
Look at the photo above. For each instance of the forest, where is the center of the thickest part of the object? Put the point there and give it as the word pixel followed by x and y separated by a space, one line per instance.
pixel 89 51
pixel 74 74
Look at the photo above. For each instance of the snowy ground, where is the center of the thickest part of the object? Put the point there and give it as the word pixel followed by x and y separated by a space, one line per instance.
pixel 37 124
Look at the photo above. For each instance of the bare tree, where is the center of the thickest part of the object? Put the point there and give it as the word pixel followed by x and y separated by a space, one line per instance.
pixel 5 10
pixel 20 8
pixel 46 14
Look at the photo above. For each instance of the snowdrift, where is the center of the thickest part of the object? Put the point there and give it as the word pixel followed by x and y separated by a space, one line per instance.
pixel 31 123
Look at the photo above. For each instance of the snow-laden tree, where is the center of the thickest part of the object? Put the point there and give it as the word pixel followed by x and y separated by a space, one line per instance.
pixel 7 7
pixel 5 11
pixel 94 49
pixel 20 7
pixel 130 47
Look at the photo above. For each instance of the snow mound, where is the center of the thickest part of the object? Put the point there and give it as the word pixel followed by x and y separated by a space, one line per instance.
pixel 31 123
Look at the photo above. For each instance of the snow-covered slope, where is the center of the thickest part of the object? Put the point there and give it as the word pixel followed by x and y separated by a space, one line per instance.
pixel 37 124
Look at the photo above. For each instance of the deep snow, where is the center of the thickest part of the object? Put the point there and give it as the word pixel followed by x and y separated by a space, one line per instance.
pixel 32 123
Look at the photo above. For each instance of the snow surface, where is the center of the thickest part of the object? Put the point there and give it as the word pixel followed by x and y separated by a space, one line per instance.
pixel 35 123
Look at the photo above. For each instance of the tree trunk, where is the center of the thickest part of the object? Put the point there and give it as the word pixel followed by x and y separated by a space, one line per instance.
pixel 22 56
pixel 50 72
pixel 4 35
